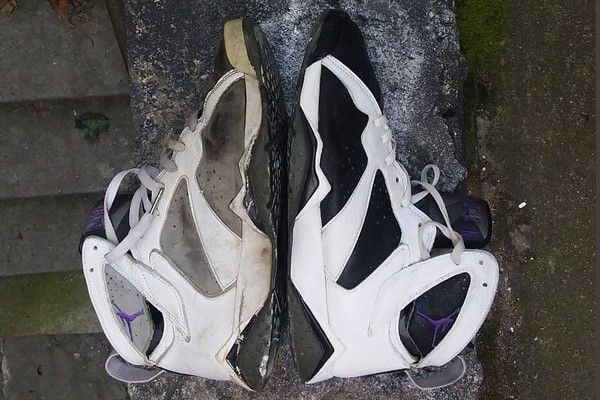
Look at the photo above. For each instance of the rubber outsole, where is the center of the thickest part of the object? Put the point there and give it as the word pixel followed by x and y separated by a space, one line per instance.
pixel 249 52
pixel 310 346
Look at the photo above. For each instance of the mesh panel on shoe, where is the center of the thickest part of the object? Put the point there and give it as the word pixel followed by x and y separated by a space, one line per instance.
pixel 218 173
pixel 180 241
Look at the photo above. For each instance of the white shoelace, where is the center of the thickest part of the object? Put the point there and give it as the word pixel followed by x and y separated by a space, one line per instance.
pixel 429 188
pixel 457 240
pixel 141 202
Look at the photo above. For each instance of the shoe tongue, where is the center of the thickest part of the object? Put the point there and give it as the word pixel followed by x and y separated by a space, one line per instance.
pixel 425 321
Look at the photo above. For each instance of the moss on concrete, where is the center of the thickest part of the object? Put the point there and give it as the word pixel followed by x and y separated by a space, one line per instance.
pixel 49 303
pixel 537 131
pixel 482 26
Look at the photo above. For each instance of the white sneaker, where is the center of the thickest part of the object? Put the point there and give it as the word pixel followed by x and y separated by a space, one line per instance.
pixel 183 273
pixel 365 296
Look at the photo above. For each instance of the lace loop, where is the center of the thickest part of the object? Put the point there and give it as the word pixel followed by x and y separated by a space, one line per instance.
pixel 387 138
pixel 142 202
pixel 425 174
pixel 429 188
pixel 446 229
pixel 166 159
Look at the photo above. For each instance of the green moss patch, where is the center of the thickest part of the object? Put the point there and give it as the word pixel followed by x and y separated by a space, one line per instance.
pixel 482 29
pixel 51 303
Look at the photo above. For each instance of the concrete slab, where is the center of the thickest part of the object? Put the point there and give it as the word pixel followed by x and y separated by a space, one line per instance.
pixel 44 153
pixel 285 383
pixel 41 234
pixel 415 51
pixel 52 303
pixel 44 56
pixel 412 45
pixel 58 367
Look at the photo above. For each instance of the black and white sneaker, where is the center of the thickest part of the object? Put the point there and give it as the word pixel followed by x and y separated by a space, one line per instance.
pixel 364 294
pixel 184 274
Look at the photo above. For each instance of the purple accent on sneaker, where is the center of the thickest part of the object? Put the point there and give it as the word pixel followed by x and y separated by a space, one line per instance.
pixel 95 220
pixel 469 234
pixel 125 318
pixel 472 209
pixel 439 325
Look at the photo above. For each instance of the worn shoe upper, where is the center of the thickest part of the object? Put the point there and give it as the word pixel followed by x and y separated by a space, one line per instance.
pixel 365 295
pixel 182 273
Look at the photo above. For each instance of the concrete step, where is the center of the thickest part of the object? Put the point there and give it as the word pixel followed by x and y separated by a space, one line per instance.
pixel 49 148
pixel 52 303
pixel 41 234
pixel 66 367
pixel 46 56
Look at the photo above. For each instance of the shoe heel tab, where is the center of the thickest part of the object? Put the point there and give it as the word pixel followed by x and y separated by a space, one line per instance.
pixel 235 46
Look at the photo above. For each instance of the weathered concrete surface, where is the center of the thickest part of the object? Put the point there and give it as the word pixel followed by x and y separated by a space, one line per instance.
pixel 44 56
pixel 413 46
pixel 61 367
pixel 43 152
pixel 286 384
pixel 41 234
pixel 536 130
pixel 49 303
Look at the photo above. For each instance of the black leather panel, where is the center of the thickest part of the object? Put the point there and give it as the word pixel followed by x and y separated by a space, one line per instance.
pixel 343 160
pixel 311 347
pixel 379 237
pixel 340 37
pixel 119 215
pixel 258 340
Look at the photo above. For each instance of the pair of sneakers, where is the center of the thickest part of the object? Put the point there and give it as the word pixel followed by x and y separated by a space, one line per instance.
pixel 251 220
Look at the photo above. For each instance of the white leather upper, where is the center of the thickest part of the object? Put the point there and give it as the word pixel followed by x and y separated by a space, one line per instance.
pixel 362 323
pixel 199 331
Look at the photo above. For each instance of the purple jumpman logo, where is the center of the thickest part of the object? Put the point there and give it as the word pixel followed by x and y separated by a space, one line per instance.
pixel 440 325
pixel 127 319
